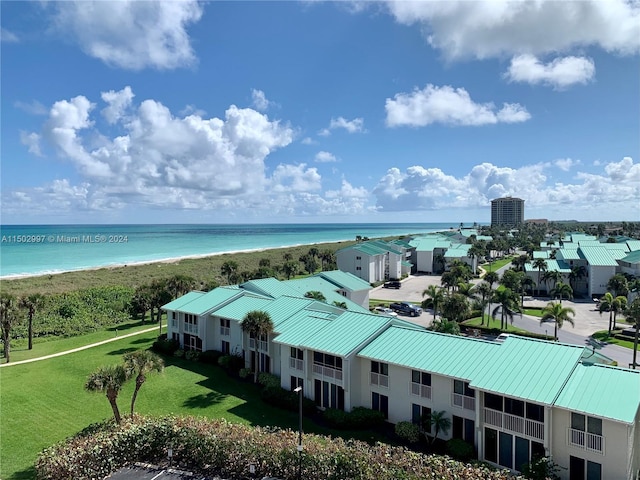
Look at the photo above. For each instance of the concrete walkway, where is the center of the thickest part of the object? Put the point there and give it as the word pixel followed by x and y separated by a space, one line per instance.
pixel 84 347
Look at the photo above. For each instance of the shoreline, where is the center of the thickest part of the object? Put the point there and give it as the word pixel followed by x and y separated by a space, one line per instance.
pixel 168 260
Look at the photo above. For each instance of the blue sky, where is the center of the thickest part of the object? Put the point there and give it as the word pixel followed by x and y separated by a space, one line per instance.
pixel 185 112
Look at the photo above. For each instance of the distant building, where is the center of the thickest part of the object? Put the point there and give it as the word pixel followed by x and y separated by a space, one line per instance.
pixel 508 211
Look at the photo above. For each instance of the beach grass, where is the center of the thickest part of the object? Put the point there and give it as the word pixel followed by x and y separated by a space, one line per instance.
pixel 44 402
pixel 204 270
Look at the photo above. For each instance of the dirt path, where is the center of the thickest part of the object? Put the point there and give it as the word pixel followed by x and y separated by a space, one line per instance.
pixel 84 347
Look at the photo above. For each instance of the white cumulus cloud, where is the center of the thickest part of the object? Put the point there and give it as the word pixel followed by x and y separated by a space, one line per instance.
pixel 560 73
pixel 490 28
pixel 352 126
pixel 259 100
pixel 131 34
pixel 449 106
pixel 324 157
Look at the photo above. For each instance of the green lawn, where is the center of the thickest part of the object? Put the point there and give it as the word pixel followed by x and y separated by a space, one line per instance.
pixel 44 402
pixel 603 335
pixel 48 346
pixel 493 323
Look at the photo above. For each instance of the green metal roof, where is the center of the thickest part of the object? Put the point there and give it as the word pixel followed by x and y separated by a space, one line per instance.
pixel 633 257
pixel 207 302
pixel 365 248
pixel 453 356
pixel 541 254
pixel 345 280
pixel 552 266
pixel 269 286
pixel 598 256
pixel 579 236
pixel 239 308
pixel 346 333
pixel 529 369
pixel 634 245
pixel 569 254
pixel 602 391
pixel 301 326
pixel 590 243
pixel 429 243
pixel 616 246
pixel 328 289
pixel 387 246
pixel 181 301
pixel 401 243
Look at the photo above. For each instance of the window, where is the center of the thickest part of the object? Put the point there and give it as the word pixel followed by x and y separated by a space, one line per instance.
pixel 296 382
pixel 380 403
pixel 422 378
pixel 225 327
pixel 358 258
pixel 491 445
pixel 464 429
pixel 588 424
pixel 494 402
pixel 296 359
pixel 327 360
pixel 328 395
pixel 577 470
pixel 514 407
pixel 226 347
pixel 462 388
pixel 535 412
pixel 297 353
pixel 420 415
pixel 379 367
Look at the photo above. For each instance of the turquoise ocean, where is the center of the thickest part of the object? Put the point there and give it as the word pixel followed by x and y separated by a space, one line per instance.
pixel 46 249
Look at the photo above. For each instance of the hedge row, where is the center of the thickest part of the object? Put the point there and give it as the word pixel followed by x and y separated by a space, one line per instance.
pixel 217 447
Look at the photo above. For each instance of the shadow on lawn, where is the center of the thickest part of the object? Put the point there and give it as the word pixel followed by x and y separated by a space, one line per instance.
pixel 27 474
pixel 122 351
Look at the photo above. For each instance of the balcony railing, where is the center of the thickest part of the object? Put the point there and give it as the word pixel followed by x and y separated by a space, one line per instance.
pixel 586 440
pixel 191 328
pixel 513 423
pixel 462 401
pixel 225 331
pixel 420 390
pixel 379 379
pixel 327 372
pixel 296 363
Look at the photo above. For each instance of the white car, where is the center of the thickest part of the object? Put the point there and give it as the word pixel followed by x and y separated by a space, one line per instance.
pixel 502 337
pixel 386 311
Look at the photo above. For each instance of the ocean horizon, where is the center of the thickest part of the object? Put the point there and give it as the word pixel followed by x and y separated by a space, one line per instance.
pixel 30 250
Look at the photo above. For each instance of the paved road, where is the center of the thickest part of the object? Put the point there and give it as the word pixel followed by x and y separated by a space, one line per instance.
pixel 587 319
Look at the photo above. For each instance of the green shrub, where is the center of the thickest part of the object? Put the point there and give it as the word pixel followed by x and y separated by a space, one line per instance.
pixel 408 431
pixel 460 450
pixel 218 448
pixel 268 380
pixel 286 399
pixel 192 355
pixel 231 363
pixel 359 418
pixel 165 346
pixel 179 353
pixel 244 372
pixel 210 357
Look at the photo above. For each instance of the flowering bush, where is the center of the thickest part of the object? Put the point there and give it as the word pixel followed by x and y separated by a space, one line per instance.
pixel 217 447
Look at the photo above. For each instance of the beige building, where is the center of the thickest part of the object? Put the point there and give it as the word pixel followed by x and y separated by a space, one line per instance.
pixel 507 211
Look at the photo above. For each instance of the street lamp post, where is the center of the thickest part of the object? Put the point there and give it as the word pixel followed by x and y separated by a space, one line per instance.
pixel 298 390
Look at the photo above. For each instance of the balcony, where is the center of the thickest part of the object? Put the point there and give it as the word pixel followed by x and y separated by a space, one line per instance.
pixel 462 401
pixel 225 331
pixel 379 379
pixel 296 364
pixel 263 345
pixel 515 424
pixel 174 323
pixel 585 440
pixel 327 372
pixel 420 390
pixel 191 328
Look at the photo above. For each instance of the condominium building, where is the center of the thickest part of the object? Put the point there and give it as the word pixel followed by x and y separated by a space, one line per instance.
pixel 507 211
pixel 512 400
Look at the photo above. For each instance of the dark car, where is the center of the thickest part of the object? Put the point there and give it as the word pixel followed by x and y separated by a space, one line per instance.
pixel 406 308
pixel 392 284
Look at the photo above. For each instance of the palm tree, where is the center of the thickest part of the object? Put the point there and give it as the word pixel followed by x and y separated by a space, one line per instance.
pixel 555 312
pixel 31 303
pixel 551 276
pixel 435 295
pixel 257 323
pixel 228 268
pixel 483 289
pixel 289 269
pixel 445 326
pixel 519 262
pixel 326 258
pixel 109 380
pixel 8 318
pixel 618 284
pixel 439 422
pixel 607 305
pixel 178 285
pixel 632 314
pixel 439 261
pixel 159 296
pixel 508 303
pixel 140 363
pixel 577 272
pixel 316 295
pixel 455 307
pixel 491 278
pixel 562 290
pixel 540 264
pixel 619 305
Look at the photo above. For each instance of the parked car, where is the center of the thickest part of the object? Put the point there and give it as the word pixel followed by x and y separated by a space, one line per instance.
pixel 502 337
pixel 406 308
pixel 392 284
pixel 385 311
